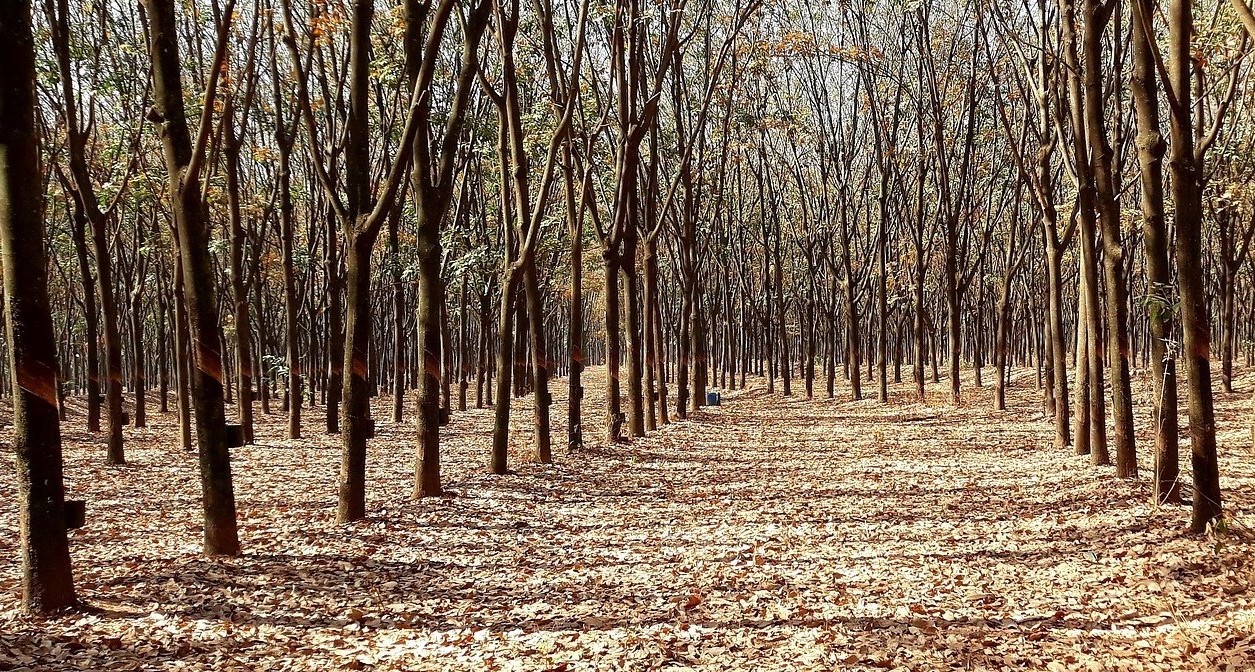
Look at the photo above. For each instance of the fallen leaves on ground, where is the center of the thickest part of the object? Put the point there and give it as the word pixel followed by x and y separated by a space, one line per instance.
pixel 770 533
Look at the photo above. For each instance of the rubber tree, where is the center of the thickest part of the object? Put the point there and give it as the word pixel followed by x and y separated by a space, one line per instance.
pixel 1151 148
pixel 1186 162
pixel 523 212
pixel 184 156
pixel 361 211
pixel 84 192
pixel 432 179
pixel 240 102
pixel 47 577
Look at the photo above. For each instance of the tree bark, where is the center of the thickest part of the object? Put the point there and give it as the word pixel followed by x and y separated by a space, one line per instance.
pixel 47 577
pixel 1107 206
pixel 182 163
pixel 1150 152
pixel 1186 164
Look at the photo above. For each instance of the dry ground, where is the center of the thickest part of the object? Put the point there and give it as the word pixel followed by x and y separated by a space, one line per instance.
pixel 769 533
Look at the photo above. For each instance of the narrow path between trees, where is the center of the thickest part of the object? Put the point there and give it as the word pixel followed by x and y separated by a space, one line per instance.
pixel 769 533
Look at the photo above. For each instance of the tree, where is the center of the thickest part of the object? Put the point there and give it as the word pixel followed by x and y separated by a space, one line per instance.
pixel 84 193
pixel 1186 160
pixel 522 215
pixel 361 212
pixel 184 159
pixel 432 178
pixel 232 145
pixel 1091 417
pixel 1150 152
pixel 47 578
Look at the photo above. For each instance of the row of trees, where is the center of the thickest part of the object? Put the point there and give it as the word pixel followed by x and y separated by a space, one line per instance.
pixel 688 192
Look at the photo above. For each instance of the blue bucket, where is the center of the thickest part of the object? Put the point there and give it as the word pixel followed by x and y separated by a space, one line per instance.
pixel 712 399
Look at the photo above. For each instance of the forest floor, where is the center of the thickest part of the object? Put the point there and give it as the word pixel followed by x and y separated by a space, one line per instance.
pixel 770 533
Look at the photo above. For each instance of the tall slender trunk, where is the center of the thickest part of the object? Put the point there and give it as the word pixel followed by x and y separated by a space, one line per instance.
pixel 614 403
pixel 522 372
pixel 481 373
pixel 1150 152
pixel 183 372
pixel 1227 324
pixel 786 359
pixel 1000 345
pixel 446 352
pixel 1084 381
pixel 112 339
pixel 575 323
pixel 139 380
pixel 86 200
pixel 1086 196
pixel 356 405
pixel 631 297
pixel 1107 207
pixel 291 305
pixel 163 366
pixel 650 309
pixel 398 319
pixel 218 493
pixel 684 346
pixel 882 301
pixel 659 342
pixel 920 336
pixel 1186 164
pixel 47 576
pixel 1058 347
pixel 699 350
pixel 239 291
pixel 499 458
pixel 335 327
pixel 90 318
pixel 427 467
pixel 954 302
pixel 854 358
pixel 540 361
pixel 464 350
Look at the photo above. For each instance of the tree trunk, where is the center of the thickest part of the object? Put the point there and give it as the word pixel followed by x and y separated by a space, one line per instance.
pixel 540 362
pixel 1086 195
pixel 635 368
pixel 615 419
pixel 335 328
pixel 90 318
pixel 650 299
pixel 139 381
pixel 1083 380
pixel 786 358
pixel 218 499
pixel 239 291
pixel 1058 347
pixel 1186 164
pixel 112 339
pixel 1108 209
pixel 852 339
pixel 291 304
pixel 47 576
pixel 575 323
pixel 356 389
pixel 398 318
pixel 699 350
pixel 427 467
pixel 1150 152
pixel 499 459
pixel 183 369
pixel 684 346
pixel 464 350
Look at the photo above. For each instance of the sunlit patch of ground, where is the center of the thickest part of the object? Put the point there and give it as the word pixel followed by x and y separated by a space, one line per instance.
pixel 769 533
